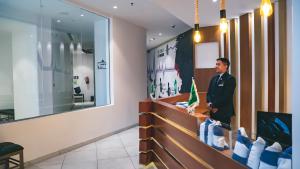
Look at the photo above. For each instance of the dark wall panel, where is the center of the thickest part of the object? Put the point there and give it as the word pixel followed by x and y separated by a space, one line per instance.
pixel 271 63
pixel 246 71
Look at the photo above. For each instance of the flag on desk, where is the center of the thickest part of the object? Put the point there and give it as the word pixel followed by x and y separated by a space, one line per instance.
pixel 194 97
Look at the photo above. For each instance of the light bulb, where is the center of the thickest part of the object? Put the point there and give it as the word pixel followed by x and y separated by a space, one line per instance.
pixel 223 25
pixel 197 36
pixel 62 46
pixel 71 47
pixel 266 8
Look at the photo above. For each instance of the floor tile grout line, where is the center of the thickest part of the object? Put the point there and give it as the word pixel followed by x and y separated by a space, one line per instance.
pixel 63 163
pixel 128 155
pixel 61 167
pixel 97 155
pixel 133 162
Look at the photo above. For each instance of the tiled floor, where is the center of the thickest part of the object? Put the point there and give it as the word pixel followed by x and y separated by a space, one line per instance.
pixel 119 151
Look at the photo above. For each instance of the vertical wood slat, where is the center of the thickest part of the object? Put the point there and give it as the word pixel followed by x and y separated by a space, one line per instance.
pixel 234 66
pixel 226 45
pixel 271 63
pixel 282 14
pixel 259 62
pixel 203 77
pixel 246 72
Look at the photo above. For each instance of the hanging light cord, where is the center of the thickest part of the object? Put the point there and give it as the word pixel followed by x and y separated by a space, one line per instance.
pixel 196 11
pixel 222 4
pixel 222 9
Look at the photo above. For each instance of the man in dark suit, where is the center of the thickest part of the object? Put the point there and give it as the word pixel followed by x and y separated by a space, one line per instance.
pixel 220 93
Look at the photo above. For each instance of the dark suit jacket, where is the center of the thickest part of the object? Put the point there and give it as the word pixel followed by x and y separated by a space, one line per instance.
pixel 220 94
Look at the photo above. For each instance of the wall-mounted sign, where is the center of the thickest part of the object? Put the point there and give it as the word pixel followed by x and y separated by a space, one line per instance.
pixel 102 64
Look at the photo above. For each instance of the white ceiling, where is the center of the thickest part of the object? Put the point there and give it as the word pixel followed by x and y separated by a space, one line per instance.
pixel 156 16
pixel 144 13
pixel 208 10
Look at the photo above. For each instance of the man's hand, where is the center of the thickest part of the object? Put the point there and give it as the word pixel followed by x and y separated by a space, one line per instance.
pixel 214 110
pixel 209 107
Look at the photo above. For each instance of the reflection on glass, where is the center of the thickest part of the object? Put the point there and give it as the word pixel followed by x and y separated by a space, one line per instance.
pixel 49 51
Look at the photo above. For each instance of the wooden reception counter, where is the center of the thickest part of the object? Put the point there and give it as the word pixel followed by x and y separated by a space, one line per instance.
pixel 169 137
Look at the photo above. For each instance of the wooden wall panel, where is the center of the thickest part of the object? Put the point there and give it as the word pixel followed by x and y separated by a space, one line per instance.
pixel 177 115
pixel 210 34
pixel 234 66
pixel 203 76
pixel 146 106
pixel 145 145
pixel 283 82
pixel 177 152
pixel 165 156
pixel 145 133
pixel 246 71
pixel 170 140
pixel 259 62
pixel 146 157
pixel 233 48
pixel 145 119
pixel 271 63
pixel 195 146
pixel 226 45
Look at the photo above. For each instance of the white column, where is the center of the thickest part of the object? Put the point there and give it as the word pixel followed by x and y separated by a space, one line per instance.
pixel 102 80
pixel 295 79
pixel 25 75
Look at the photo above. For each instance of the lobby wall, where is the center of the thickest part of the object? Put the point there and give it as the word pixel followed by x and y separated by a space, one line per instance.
pixel 170 67
pixel 258 50
pixel 45 135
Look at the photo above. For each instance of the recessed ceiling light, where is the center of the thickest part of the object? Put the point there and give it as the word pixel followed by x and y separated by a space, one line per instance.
pixel 152 39
pixel 115 7
pixel 82 15
pixel 58 21
pixel 159 34
pixel 214 0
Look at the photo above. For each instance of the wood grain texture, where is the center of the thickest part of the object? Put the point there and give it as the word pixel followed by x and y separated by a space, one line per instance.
pixel 259 60
pixel 283 82
pixel 203 77
pixel 176 115
pixel 145 119
pixel 234 67
pixel 184 157
pixel 246 72
pixel 166 157
pixel 271 63
pixel 145 145
pixel 210 34
pixel 145 133
pixel 226 45
pixel 146 106
pixel 146 157
pixel 171 140
pixel 192 144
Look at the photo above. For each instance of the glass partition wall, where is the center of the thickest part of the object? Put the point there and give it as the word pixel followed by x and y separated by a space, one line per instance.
pixel 54 57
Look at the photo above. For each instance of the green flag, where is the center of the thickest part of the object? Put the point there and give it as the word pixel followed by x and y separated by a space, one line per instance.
pixel 194 97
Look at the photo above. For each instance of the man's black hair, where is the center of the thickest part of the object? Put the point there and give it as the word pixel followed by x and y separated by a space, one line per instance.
pixel 224 61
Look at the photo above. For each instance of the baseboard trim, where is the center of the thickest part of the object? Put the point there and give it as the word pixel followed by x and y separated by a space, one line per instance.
pixel 76 146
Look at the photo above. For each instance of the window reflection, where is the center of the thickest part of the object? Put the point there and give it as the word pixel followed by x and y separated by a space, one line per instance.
pixel 49 52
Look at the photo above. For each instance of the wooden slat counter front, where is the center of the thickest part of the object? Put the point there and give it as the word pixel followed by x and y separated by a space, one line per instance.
pixel 168 137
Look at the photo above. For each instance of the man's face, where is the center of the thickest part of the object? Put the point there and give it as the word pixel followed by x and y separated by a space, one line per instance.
pixel 221 67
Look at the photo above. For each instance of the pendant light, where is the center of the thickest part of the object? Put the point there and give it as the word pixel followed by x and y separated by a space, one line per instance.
pixel 197 36
pixel 266 8
pixel 223 20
